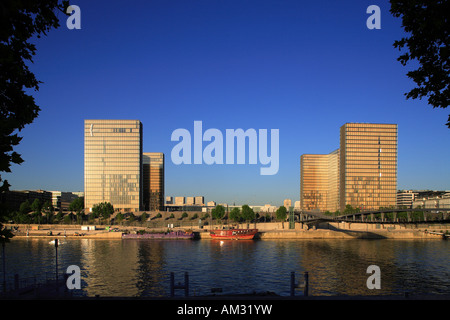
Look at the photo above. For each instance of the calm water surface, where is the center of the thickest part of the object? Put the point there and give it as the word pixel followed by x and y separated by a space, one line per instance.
pixel 134 268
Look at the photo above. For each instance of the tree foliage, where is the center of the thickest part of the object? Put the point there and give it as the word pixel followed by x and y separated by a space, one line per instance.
pixel 350 210
pixel 19 22
pixel 427 26
pixel 36 206
pixel 218 212
pixel 103 210
pixel 119 218
pixel 281 213
pixel 77 205
pixel 247 213
pixel 235 215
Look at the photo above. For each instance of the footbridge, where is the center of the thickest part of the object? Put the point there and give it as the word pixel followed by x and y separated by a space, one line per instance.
pixel 413 216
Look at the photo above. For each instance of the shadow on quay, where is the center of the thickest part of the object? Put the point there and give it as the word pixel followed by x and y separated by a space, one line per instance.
pixel 358 234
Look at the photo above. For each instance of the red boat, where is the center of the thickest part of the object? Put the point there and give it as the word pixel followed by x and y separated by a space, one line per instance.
pixel 234 234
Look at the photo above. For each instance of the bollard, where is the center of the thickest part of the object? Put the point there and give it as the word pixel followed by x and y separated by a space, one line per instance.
pixel 292 283
pixel 305 289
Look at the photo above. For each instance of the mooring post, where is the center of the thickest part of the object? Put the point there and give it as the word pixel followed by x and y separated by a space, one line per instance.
pixel 179 286
pixel 292 283
pixel 305 289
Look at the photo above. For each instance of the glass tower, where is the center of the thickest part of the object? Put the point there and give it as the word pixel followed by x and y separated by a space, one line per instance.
pixel 319 186
pixel 113 163
pixel 361 173
pixel 368 165
pixel 153 181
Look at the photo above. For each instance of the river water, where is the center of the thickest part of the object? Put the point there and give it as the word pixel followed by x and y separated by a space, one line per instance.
pixel 141 268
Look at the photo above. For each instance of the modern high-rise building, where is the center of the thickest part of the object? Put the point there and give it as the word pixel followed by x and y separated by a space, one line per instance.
pixel 153 181
pixel 313 181
pixel 361 173
pixel 319 181
pixel 333 181
pixel 368 165
pixel 113 164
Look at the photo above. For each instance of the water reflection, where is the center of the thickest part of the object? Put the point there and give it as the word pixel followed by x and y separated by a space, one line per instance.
pixel 142 268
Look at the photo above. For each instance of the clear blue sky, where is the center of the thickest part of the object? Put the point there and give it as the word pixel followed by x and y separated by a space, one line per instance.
pixel 303 67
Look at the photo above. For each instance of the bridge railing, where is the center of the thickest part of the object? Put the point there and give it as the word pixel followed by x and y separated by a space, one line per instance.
pixel 384 215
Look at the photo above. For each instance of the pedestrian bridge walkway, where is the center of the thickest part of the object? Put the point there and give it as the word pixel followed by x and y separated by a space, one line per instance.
pixel 435 215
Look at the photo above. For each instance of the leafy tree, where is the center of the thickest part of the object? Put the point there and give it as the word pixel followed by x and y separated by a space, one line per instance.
pixel 80 217
pixel 131 217
pixel 49 210
pixel 119 218
pixel 25 207
pixel 218 212
pixel 103 210
pixel 349 209
pixel 36 206
pixel 184 215
pixel 235 214
pixel 20 21
pixel 68 218
pixel 426 23
pixel 281 213
pixel 77 205
pixel 247 213
pixel 59 216
pixel 144 217
pixel 205 216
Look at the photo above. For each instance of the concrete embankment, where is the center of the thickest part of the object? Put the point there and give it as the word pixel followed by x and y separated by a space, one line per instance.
pixel 344 234
pixel 93 235
pixel 266 231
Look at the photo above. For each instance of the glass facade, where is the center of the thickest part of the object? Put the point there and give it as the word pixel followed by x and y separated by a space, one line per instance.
pixel 333 181
pixel 319 181
pixel 361 173
pixel 368 165
pixel 113 163
pixel 153 183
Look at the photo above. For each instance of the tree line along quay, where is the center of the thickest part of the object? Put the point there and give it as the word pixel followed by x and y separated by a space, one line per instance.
pixel 105 214
pixel 37 219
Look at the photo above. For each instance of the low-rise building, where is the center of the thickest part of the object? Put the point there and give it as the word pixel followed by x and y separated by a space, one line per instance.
pixel 436 201
pixel 405 198
pixel 13 199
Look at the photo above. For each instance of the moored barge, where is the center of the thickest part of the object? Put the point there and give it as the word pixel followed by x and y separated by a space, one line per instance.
pixel 173 235
pixel 233 234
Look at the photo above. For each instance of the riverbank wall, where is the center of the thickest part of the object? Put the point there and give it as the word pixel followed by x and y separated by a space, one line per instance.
pixel 267 231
